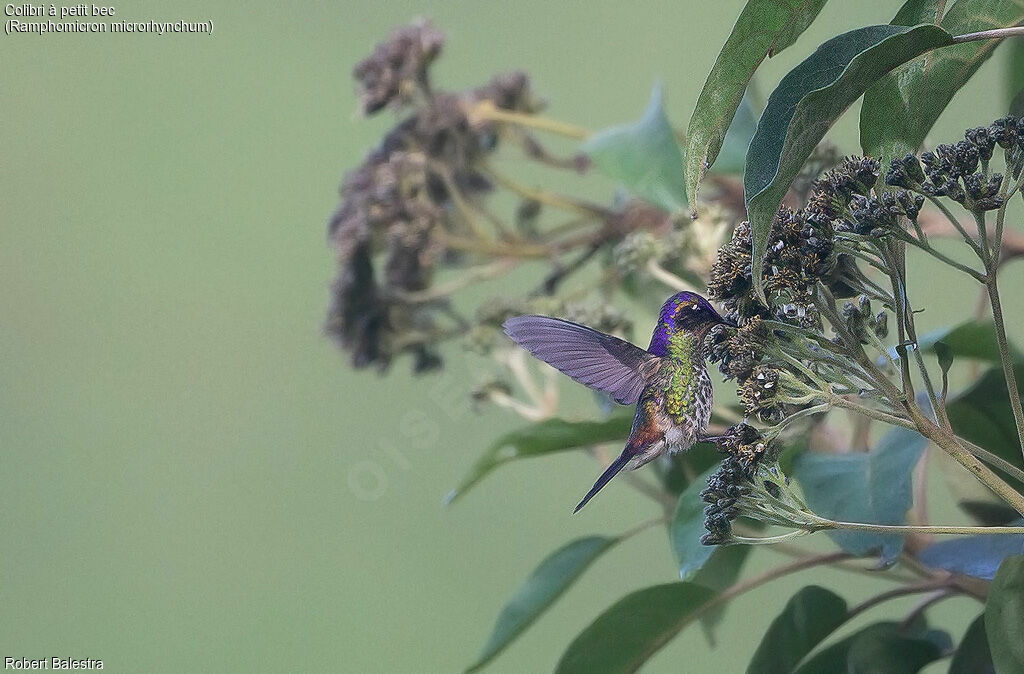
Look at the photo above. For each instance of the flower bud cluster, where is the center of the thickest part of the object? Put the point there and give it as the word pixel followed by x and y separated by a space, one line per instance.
pixel 859 319
pixel 879 216
pixel 750 483
pixel 959 170
pixel 741 354
pixel 725 487
pixel 637 249
pixel 744 449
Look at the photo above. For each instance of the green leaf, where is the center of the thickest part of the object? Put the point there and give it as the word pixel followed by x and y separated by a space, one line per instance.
pixel 1015 80
pixel 718 573
pixel 891 653
pixel 873 487
pixel 880 648
pixel 544 586
pixel 688 526
pixel 975 340
pixel 914 12
pixel 982 415
pixel 732 158
pixel 643 156
pixel 764 28
pixel 545 437
pixel 1004 616
pixel 714 567
pixel 810 616
pixel 977 556
pixel 807 102
pixel 900 109
pixel 677 472
pixel 972 655
pixel 989 513
pixel 633 629
pixel 945 356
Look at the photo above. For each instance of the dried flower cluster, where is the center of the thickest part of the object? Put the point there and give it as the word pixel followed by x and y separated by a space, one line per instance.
pixel 397 69
pixel 430 198
pixel 401 202
pixel 741 355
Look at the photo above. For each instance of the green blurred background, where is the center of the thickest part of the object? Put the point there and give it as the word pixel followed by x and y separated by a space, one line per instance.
pixel 191 477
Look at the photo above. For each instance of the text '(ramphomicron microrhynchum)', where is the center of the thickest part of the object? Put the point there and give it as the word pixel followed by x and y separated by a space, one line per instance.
pixel 29 18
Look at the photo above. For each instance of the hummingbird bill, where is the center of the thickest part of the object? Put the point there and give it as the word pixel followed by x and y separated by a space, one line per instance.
pixel 668 381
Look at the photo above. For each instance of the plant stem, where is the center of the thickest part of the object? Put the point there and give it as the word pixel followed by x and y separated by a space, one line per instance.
pixel 548 199
pixel 926 529
pixel 666 277
pixel 952 446
pixel 839 401
pixel 994 34
pixel 769 540
pixel 928 602
pixel 926 247
pixel 956 225
pixel 495 248
pixel 827 306
pixel 805 412
pixel 915 588
pixel 994 460
pixel 997 239
pixel 1005 356
pixel 467 277
pixel 744 586
pixel 979 218
pixel 643 526
pixel 460 202
pixel 741 587
pixel 897 258
pixel 486 110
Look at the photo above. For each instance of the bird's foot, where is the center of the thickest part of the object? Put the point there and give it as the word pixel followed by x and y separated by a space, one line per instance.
pixel 716 439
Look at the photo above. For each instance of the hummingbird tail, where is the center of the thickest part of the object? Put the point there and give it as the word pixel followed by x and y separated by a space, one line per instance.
pixel 610 472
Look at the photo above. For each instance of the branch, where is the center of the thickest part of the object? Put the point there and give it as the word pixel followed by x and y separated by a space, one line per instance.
pixel 486 111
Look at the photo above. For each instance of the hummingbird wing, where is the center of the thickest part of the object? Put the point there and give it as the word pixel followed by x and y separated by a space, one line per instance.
pixel 592 358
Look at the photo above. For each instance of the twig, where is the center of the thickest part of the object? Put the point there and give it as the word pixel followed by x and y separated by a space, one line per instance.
pixel 994 459
pixel 466 278
pixel 485 110
pixel 882 597
pixel 925 529
pixel 667 277
pixel 643 526
pixel 994 34
pixel 927 603
pixel 1005 357
pixel 547 198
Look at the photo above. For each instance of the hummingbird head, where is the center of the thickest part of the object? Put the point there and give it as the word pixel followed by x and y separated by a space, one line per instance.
pixel 689 311
pixel 684 311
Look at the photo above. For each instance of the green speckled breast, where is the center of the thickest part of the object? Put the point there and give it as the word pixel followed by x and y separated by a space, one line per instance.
pixel 686 383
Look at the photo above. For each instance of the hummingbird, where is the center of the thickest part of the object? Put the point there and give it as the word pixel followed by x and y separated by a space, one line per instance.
pixel 668 382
